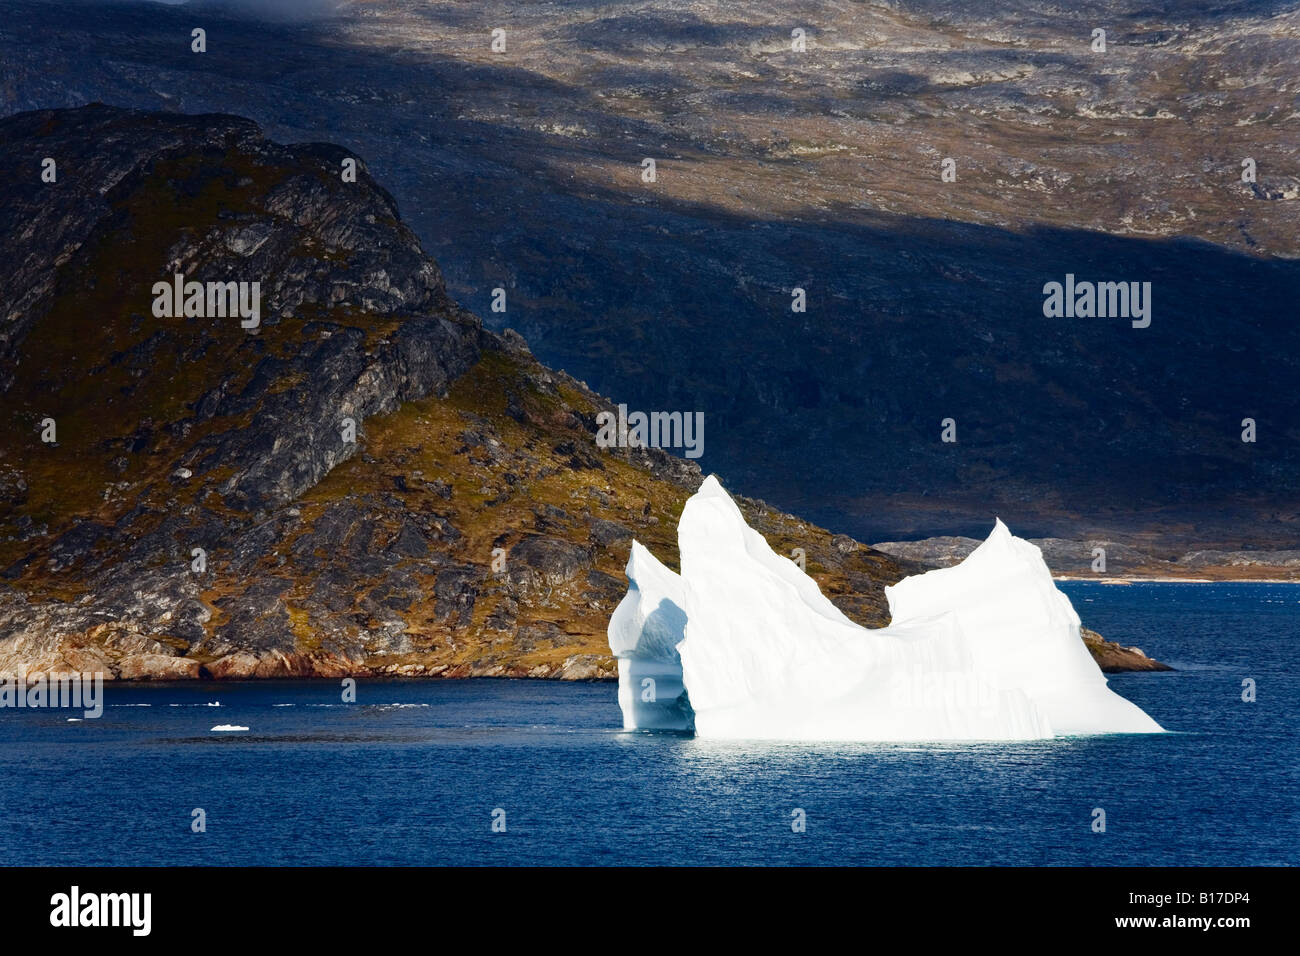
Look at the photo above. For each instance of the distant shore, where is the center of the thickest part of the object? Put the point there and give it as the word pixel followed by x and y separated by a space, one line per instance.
pixel 1142 579
pixel 1120 563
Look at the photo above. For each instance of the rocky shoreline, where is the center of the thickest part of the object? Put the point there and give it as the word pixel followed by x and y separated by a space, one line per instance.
pixel 1072 560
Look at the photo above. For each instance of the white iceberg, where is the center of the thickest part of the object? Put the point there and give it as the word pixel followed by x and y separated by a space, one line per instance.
pixel 988 650
pixel 644 632
pixel 227 728
pixel 1022 632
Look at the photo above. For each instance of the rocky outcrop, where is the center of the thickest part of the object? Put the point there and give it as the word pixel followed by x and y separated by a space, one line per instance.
pixel 1112 657
pixel 368 483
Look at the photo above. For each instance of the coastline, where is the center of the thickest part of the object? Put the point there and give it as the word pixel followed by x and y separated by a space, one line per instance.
pixel 1140 579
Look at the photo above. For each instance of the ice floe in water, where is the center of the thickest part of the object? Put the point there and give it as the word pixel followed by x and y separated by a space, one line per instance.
pixel 743 644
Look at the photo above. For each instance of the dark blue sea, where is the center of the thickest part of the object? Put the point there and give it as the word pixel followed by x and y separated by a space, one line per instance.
pixel 413 772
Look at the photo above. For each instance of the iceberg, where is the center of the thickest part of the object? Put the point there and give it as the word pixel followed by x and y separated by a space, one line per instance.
pixel 987 650
pixel 644 632
pixel 1022 632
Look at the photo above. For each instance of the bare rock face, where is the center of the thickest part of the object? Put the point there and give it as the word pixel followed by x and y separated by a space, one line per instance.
pixel 1112 657
pixel 158 667
pixel 542 563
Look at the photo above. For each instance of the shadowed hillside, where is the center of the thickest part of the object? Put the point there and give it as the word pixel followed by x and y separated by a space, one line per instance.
pixel 473 527
pixel 776 169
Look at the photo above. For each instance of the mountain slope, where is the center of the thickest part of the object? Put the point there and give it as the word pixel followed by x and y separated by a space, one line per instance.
pixel 473 527
pixel 776 169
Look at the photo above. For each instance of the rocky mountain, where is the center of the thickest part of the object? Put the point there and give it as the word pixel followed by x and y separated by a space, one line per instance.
pixel 180 495
pixel 820 167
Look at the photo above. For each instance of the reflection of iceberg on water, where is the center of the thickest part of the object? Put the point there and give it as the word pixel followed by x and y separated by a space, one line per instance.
pixel 986 650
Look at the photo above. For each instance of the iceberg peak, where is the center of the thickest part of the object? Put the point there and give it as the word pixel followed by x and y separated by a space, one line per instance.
pixel 1000 541
pixel 1022 631
pixel 711 487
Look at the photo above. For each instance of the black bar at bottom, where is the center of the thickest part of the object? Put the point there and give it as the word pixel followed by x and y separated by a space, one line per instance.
pixel 337 906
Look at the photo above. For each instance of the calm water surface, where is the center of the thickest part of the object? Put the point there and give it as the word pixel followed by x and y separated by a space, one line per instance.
pixel 412 772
